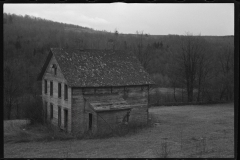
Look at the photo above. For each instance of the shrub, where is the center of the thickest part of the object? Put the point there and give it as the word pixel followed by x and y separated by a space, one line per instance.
pixel 34 110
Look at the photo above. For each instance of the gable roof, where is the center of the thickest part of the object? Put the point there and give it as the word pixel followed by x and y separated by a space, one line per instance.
pixel 96 68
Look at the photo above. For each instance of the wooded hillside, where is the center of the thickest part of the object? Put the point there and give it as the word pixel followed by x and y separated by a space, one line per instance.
pixel 27 41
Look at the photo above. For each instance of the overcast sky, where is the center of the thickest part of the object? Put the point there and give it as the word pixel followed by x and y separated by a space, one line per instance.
pixel 155 19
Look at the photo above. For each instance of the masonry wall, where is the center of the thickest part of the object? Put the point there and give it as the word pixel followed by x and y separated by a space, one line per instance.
pixel 137 96
pixel 80 113
pixel 64 104
pixel 110 120
pixel 78 110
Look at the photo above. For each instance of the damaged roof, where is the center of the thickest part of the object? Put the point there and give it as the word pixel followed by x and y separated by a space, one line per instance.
pixel 109 102
pixel 96 68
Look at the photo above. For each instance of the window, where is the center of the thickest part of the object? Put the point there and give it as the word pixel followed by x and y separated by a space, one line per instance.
pixel 59 90
pixel 51 111
pixel 54 68
pixel 45 111
pixel 59 116
pixel 65 119
pixel 45 86
pixel 90 120
pixel 51 88
pixel 65 91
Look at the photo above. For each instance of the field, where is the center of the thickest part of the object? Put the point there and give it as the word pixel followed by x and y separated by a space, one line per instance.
pixel 161 96
pixel 205 131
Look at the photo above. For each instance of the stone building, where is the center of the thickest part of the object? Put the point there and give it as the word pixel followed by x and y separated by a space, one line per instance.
pixel 93 90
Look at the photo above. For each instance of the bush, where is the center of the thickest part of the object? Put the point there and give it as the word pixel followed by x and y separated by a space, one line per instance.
pixel 34 110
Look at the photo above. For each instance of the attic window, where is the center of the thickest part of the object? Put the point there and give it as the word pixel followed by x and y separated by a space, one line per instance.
pixel 54 69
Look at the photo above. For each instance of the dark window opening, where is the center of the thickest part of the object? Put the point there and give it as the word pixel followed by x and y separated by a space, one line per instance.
pixel 90 121
pixel 55 71
pixel 51 88
pixel 51 111
pixel 54 67
pixel 65 91
pixel 45 111
pixel 45 86
pixel 65 118
pixel 59 90
pixel 59 116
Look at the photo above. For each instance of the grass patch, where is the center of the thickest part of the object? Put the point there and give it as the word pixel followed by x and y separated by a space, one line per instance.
pixel 201 131
pixel 15 133
pixel 121 130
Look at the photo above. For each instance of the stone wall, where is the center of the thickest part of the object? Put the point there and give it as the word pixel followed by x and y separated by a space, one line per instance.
pixel 110 120
pixel 137 96
pixel 54 99
pixel 78 109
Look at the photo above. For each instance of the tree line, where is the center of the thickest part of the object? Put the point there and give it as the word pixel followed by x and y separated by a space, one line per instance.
pixel 191 62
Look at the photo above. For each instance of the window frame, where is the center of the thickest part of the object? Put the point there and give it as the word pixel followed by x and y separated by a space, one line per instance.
pixel 59 116
pixel 45 86
pixel 51 111
pixel 59 90
pixel 45 110
pixel 54 69
pixel 51 88
pixel 65 92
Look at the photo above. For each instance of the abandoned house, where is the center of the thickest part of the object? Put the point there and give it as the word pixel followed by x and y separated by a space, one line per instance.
pixel 93 90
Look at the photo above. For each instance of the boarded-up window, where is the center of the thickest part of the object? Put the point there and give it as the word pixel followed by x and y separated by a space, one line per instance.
pixel 51 111
pixel 45 86
pixel 51 88
pixel 59 90
pixel 65 91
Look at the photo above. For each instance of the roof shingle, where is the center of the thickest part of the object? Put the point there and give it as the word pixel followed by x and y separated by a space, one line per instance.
pixel 95 68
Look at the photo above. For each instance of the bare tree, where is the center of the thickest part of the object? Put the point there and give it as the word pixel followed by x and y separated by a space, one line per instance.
pixel 144 54
pixel 204 71
pixel 226 70
pixel 174 75
pixel 190 62
pixel 12 86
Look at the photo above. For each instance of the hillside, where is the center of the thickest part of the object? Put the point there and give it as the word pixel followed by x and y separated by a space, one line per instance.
pixel 27 41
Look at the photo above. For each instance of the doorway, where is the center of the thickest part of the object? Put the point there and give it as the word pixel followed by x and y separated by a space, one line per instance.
pixel 90 121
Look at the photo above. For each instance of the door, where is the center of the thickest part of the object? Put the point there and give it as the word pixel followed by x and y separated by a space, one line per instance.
pixel 90 121
pixel 65 119
pixel 59 117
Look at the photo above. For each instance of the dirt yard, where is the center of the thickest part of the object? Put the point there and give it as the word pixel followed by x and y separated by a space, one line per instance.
pixel 205 131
